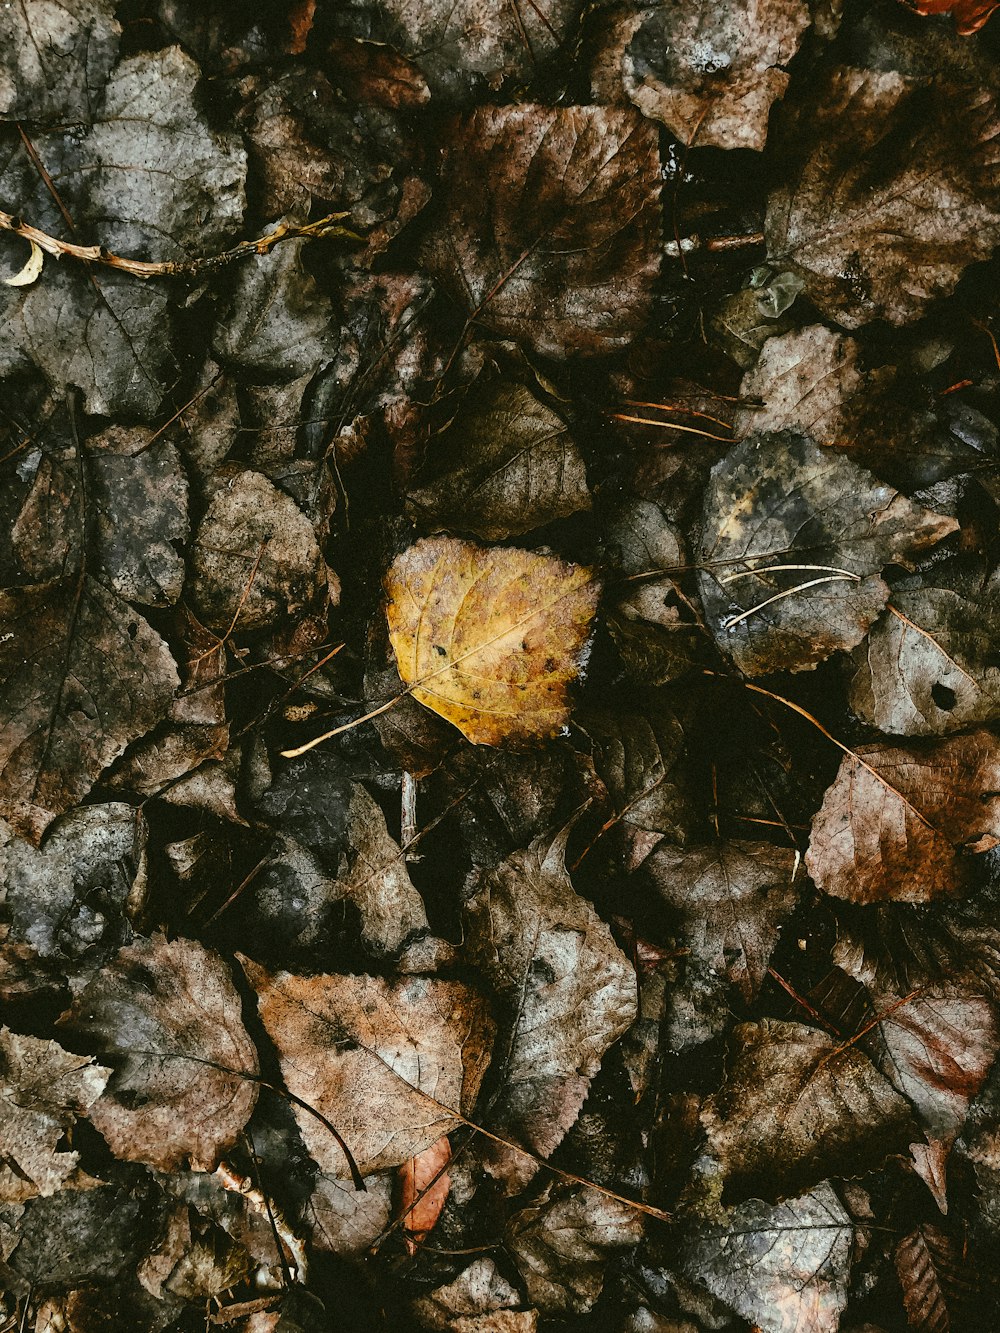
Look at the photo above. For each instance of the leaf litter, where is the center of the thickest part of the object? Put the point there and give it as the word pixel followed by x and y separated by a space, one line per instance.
pixel 498 666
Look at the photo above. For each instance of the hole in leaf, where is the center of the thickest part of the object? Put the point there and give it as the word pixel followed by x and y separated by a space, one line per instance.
pixel 944 697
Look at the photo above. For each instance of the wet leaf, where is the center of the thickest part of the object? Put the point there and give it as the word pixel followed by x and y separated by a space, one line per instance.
pixel 56 59
pixel 937 1293
pixel 505 466
pixel 166 1016
pixel 42 1091
pixel 83 675
pixel 785 1268
pixel 73 902
pixel 479 1300
pixel 815 381
pixel 566 200
pixel 278 324
pixel 819 529
pixel 387 1064
pixel 731 899
pixel 710 72
pixel 895 820
pixel 156 179
pixel 345 1220
pixel 925 668
pixel 891 191
pixel 140 494
pixel 254 558
pixel 567 989
pixel 79 1237
pixel 562 1242
pixel 467 46
pixel 798 1106
pixel 491 639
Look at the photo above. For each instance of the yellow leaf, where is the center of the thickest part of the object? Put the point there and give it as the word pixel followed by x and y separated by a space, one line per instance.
pixel 490 638
pixel 31 271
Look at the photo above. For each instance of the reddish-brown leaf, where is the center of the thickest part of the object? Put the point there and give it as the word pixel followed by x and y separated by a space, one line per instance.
pixel 424 1184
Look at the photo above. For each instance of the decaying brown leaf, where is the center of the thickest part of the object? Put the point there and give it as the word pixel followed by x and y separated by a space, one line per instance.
pixel 166 1016
pixel 491 639
pixel 551 227
pixel 798 1106
pixel 81 675
pixel 43 1088
pixel 892 189
pixel 896 820
pixel 969 15
pixel 732 900
pixel 568 991
pixel 388 1065
pixel 561 1244
pixel 708 70
pixel 506 465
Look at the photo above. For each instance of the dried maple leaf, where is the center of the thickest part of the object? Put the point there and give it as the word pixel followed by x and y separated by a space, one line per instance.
pixel 895 818
pixel 43 1088
pixel 389 1065
pixel 797 1106
pixel 551 231
pixel 794 539
pixel 969 15
pixel 568 989
pixel 709 71
pixel 424 1185
pixel 785 1267
pixel 892 189
pixel 81 675
pixel 166 1016
pixel 490 639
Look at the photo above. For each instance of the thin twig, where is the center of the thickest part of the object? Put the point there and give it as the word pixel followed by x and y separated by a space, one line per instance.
pixel 176 268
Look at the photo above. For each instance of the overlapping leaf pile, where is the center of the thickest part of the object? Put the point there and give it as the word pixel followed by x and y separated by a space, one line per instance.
pixel 499 769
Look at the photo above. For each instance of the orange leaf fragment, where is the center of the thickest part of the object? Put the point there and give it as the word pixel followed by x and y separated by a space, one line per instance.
pixel 424 1184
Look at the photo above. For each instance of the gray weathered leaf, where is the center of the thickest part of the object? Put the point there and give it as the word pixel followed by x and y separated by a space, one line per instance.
pixel 709 71
pixel 83 675
pixel 568 990
pixel 139 493
pixel 797 1106
pixel 562 1243
pixel 794 540
pixel 785 1268
pixel 891 189
pixel 926 666
pixel 732 900
pixel 72 902
pixel 278 324
pixel 157 181
pixel 167 1017
pixel 551 226
pixel 506 465
pixel 345 1220
pixel 55 59
pixel 465 46
pixel 254 558
pixel 479 1300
